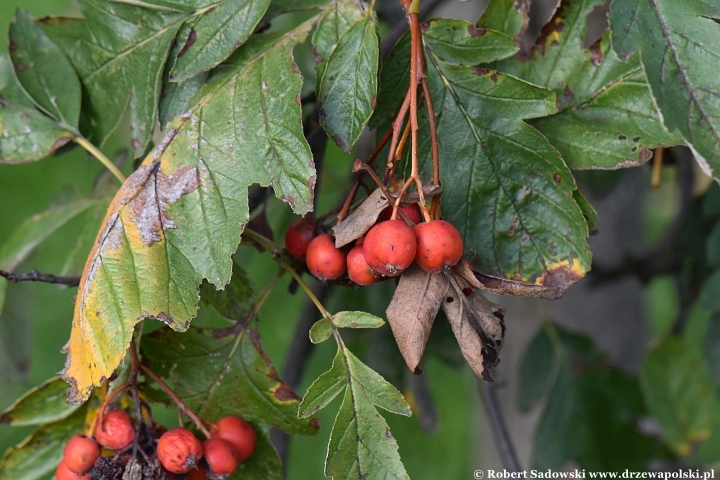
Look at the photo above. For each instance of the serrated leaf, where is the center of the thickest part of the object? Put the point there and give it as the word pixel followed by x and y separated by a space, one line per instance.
pixel 42 404
pixel 508 192
pixel 10 90
pixel 334 23
pixel 321 331
pixel 361 220
pixel 234 378
pixel 348 88
pixel 215 35
pixel 675 41
pixel 325 388
pixel 44 71
pixel 40 453
pixel 679 392
pixel 179 217
pixel 27 135
pixel 118 50
pixel 607 118
pixel 413 308
pixel 458 41
pixel 507 16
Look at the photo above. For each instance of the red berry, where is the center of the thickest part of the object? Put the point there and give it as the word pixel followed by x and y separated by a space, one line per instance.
pixel 80 453
pixel 64 473
pixel 299 235
pixel 239 433
pixel 324 260
pixel 389 247
pixel 116 431
pixel 412 211
pixel 358 269
pixel 220 456
pixel 178 450
pixel 439 245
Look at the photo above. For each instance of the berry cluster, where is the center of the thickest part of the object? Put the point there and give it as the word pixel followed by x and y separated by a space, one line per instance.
pixel 387 249
pixel 179 453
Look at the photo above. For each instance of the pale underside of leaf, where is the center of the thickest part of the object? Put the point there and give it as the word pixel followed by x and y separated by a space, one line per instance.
pixel 179 217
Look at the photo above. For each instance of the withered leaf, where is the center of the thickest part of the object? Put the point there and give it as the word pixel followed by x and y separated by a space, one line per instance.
pixel 477 325
pixel 503 286
pixel 412 310
pixel 361 220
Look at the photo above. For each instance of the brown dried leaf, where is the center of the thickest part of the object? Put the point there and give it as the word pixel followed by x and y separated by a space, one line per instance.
pixel 478 327
pixel 503 286
pixel 361 220
pixel 412 310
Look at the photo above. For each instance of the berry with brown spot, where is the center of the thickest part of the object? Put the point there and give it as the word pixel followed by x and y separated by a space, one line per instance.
pixel 179 451
pixel 220 456
pixel 116 431
pixel 80 453
pixel 389 247
pixel 439 246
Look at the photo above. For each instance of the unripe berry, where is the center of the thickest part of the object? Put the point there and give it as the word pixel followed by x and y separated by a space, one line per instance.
pixel 439 245
pixel 358 269
pixel 64 473
pixel 80 453
pixel 411 211
pixel 178 450
pixel 299 235
pixel 220 456
pixel 116 431
pixel 239 433
pixel 389 247
pixel 324 260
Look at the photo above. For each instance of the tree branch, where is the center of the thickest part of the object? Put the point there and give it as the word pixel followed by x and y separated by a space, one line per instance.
pixel 502 437
pixel 36 276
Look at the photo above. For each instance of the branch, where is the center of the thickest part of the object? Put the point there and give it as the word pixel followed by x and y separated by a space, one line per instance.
pixel 36 276
pixel 502 437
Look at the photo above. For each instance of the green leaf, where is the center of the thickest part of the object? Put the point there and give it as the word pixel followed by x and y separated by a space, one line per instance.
pixel 44 71
pixel 118 50
pixel 278 7
pixel 215 35
pixel 348 88
pixel 591 216
pixel 357 320
pixel 27 135
pixel 77 256
pixel 507 16
pixel 179 217
pixel 321 331
pixel 235 300
pixel 35 230
pixel 361 445
pixel 506 174
pixel 234 378
pixel 607 118
pixel 679 392
pixel 676 41
pixel 39 454
pixel 264 463
pixel 42 404
pixel 457 41
pixel 10 90
pixel 334 23
pixel 538 370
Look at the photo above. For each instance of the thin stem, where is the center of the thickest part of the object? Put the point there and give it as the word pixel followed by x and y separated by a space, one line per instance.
pixel 502 437
pixel 181 405
pixel 396 128
pixel 658 155
pixel 95 152
pixel 307 290
pixel 36 276
pixel 433 129
pixel 403 141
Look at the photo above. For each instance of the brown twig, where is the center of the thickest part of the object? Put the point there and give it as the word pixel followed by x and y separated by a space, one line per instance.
pixel 36 276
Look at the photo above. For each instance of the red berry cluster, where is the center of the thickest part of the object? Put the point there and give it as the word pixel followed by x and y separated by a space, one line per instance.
pixel 232 440
pixel 387 249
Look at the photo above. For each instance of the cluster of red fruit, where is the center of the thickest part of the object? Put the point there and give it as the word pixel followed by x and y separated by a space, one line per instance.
pixel 387 249
pixel 232 440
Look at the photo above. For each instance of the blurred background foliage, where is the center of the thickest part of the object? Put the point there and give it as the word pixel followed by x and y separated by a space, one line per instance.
pixel 621 373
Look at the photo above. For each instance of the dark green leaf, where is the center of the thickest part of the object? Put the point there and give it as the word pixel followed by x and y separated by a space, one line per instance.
pixel 119 50
pixel 235 300
pixel 215 35
pixel 234 378
pixel 43 404
pixel 711 345
pixel 348 88
pixel 39 454
pixel 679 392
pixel 538 370
pixel 607 118
pixel 335 22
pixel 457 41
pixel 27 135
pixel 507 16
pixel 325 388
pixel 10 90
pixel 44 71
pixel 284 6
pixel 676 40
pixel 321 331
